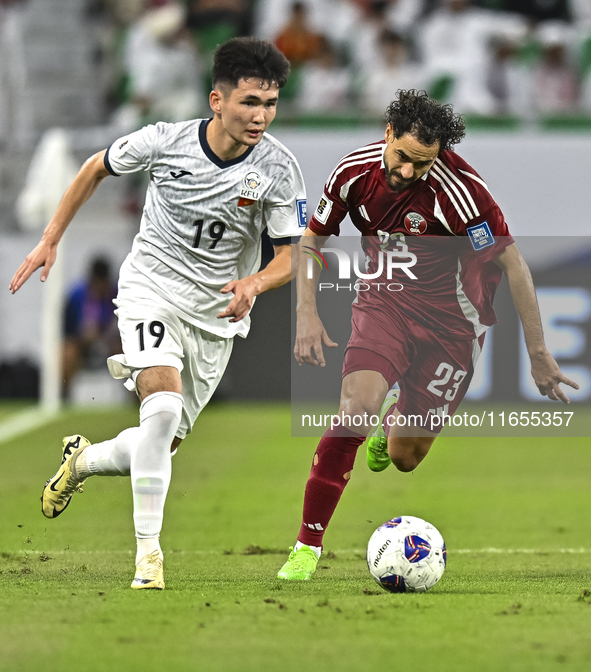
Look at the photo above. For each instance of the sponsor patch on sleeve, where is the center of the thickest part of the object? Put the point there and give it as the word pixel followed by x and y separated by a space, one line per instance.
pixel 323 210
pixel 480 236
pixel 302 213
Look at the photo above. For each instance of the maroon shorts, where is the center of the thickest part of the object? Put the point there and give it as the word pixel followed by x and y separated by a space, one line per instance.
pixel 432 371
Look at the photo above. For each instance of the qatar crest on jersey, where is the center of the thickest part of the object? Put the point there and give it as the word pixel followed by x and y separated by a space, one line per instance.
pixel 251 186
pixel 415 223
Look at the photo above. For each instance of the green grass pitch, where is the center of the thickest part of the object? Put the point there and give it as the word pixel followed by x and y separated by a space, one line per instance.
pixel 514 513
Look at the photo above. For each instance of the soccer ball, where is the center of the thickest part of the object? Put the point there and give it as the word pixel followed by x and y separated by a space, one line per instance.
pixel 406 555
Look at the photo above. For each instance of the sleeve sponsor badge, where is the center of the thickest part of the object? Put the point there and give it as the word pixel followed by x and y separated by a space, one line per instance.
pixel 480 236
pixel 302 213
pixel 323 210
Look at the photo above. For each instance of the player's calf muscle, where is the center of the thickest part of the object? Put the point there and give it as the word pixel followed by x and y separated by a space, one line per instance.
pixel 407 453
pixel 406 463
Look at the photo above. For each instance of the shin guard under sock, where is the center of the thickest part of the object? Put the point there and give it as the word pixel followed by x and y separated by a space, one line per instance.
pixel 150 468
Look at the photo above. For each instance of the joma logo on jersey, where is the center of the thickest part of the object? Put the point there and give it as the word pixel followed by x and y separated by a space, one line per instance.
pixel 252 183
pixel 181 173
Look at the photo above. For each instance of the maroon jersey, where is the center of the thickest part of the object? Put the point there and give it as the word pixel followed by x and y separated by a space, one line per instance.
pixel 455 278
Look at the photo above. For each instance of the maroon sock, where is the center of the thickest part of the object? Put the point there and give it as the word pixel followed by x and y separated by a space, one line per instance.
pixel 331 471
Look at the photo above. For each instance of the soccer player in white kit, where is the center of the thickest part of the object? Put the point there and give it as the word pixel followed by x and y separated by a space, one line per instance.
pixel 187 286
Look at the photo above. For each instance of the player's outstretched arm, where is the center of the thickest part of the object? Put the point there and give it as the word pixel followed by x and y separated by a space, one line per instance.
pixel 275 274
pixel 544 369
pixel 43 256
pixel 311 335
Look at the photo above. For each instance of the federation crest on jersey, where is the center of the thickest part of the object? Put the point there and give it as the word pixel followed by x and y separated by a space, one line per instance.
pixel 415 223
pixel 251 186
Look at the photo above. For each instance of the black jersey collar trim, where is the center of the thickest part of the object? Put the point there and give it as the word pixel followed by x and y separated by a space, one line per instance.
pixel 214 158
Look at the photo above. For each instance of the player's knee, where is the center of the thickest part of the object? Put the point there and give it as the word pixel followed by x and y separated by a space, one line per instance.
pixel 160 415
pixel 356 412
pixel 156 379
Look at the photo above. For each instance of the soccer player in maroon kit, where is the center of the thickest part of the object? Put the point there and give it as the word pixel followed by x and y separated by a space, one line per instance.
pixel 399 193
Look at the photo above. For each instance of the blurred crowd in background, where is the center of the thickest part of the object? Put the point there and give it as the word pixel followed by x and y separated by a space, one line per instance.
pixel 498 57
pixel 516 57
pixel 487 57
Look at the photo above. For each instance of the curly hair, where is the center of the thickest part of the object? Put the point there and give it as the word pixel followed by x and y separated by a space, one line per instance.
pixel 426 119
pixel 245 57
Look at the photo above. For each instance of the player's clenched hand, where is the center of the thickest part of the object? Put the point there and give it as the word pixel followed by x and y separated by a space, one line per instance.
pixel 244 292
pixel 42 256
pixel 548 376
pixel 310 337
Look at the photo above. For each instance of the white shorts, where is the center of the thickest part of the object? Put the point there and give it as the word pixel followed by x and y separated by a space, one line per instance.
pixel 153 335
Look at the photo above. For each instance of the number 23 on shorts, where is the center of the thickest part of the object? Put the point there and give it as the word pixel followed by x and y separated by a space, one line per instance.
pixel 446 371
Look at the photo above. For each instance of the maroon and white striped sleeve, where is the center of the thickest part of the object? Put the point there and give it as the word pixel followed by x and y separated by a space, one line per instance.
pixel 465 206
pixel 333 206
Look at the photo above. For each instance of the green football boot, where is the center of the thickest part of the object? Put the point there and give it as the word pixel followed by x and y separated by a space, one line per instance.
pixel 58 490
pixel 377 441
pixel 300 565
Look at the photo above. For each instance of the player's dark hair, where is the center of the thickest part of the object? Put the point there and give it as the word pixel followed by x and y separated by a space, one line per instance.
pixel 246 57
pixel 426 119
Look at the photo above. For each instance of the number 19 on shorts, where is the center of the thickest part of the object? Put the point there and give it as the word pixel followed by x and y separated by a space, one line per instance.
pixel 155 329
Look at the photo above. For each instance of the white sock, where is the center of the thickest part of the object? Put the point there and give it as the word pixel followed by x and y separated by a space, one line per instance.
pixel 316 549
pixel 146 545
pixel 80 466
pixel 150 468
pixel 109 458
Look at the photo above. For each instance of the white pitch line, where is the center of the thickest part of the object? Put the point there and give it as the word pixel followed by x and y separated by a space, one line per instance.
pixel 25 421
pixel 350 551
pixel 530 551
pixel 493 551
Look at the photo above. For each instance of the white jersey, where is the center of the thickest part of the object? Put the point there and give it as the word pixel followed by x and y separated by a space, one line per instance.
pixel 203 217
